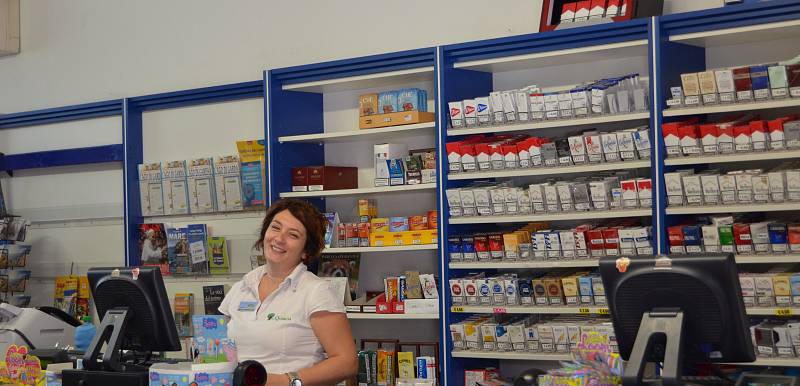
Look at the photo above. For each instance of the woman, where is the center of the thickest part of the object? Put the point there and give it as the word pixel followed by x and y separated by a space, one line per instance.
pixel 286 317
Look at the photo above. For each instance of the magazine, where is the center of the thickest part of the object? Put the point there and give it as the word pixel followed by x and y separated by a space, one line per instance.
pixel 178 251
pixel 153 247
pixel 341 265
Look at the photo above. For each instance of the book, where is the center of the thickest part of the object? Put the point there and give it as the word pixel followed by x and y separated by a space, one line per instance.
pixel 153 247
pixel 252 156
pixel 175 187
pixel 227 179
pixel 184 308
pixel 200 178
pixel 257 258
pixel 219 262
pixel 197 236
pixel 210 343
pixel 151 190
pixel 341 265
pixel 212 298
pixel 178 251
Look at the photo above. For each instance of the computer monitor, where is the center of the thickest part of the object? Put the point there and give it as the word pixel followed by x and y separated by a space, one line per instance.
pixel 135 315
pixel 674 309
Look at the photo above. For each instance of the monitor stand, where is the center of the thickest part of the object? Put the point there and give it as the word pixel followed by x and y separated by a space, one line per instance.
pixel 660 335
pixel 111 371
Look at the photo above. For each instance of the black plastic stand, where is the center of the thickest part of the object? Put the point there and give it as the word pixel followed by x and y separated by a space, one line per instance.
pixel 104 378
pixel 110 332
pixel 660 336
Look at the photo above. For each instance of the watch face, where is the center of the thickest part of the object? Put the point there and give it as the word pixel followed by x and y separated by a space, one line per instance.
pixel 296 382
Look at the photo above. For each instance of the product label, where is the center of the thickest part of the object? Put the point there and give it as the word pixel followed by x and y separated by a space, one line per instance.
pixel 709 99
pixel 691 100
pixel 726 97
pixel 762 93
pixel 744 95
pixel 779 92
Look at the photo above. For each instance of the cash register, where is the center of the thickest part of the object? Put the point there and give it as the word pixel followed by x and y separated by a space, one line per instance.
pixel 136 321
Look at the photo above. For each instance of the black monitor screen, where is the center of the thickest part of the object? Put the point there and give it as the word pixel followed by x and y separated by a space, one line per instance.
pixel 705 288
pixel 151 326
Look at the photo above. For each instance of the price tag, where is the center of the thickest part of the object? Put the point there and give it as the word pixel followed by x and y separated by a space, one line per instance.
pixel 603 311
pixel 456 309
pixel 783 312
pixel 499 310
pixel 583 310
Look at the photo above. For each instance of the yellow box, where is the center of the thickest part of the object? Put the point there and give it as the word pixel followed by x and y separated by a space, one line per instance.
pixel 400 238
pixel 364 207
pixel 405 365
pixel 367 104
pixel 428 236
pixel 380 224
pixel 511 243
pixel 395 119
pixel 83 287
pixel 380 239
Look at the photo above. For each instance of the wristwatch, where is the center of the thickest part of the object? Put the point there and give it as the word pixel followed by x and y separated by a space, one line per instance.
pixel 294 379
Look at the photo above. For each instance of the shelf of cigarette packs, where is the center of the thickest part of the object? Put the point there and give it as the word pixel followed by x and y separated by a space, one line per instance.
pixel 557 291
pixel 755 238
pixel 603 101
pixel 525 337
pixel 523 155
pixel 774 189
pixel 619 194
pixel 736 138
pixel 745 88
pixel 14 254
pixel 539 245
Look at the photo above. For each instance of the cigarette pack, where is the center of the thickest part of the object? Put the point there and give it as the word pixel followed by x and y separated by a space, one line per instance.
pixel 743 84
pixel 759 77
pixel 778 81
pixel 470 112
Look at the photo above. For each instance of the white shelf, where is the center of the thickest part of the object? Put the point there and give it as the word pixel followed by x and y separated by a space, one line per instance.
pixel 777 362
pixel 739 208
pixel 223 278
pixel 731 107
pixel 200 217
pixel 525 356
pixel 714 159
pixel 401 248
pixel 593 120
pixel 772 311
pixel 558 310
pixel 392 132
pixel 525 264
pixel 373 190
pixel 365 315
pixel 630 49
pixel 768 259
pixel 740 35
pixel 590 310
pixel 589 215
pixel 383 79
pixel 543 171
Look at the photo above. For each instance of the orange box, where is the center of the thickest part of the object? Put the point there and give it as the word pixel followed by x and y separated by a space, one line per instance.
pixel 395 119
pixel 433 219
pixel 367 104
pixel 417 223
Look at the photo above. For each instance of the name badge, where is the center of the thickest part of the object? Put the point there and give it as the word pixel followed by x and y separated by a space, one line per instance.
pixel 248 305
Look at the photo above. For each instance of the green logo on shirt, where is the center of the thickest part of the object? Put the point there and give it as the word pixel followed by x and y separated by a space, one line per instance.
pixel 274 316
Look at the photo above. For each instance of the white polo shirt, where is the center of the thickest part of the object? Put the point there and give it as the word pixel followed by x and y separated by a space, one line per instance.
pixel 277 331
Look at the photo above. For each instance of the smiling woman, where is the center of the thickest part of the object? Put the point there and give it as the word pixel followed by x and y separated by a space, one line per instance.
pixel 286 317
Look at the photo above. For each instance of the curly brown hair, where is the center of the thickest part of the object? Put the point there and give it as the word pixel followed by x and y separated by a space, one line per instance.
pixel 311 218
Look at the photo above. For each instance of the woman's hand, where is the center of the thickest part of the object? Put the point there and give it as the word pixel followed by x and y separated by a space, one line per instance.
pixel 277 379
